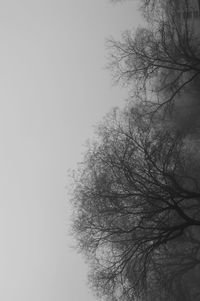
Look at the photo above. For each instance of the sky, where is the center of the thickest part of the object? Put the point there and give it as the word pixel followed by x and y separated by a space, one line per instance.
pixel 53 88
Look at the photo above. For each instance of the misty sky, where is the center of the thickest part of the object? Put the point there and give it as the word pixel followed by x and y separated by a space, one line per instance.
pixel 53 88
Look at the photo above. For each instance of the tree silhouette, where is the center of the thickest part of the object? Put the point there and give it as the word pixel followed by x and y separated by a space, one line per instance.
pixel 162 59
pixel 135 197
pixel 137 192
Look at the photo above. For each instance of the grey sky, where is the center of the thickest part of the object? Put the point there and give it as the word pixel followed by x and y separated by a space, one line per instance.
pixel 53 88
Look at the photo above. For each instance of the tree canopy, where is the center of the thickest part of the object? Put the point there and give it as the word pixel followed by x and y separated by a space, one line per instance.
pixel 134 197
pixel 161 59
pixel 136 194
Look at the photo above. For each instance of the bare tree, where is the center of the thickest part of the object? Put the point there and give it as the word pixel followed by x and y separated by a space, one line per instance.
pixel 162 59
pixel 134 198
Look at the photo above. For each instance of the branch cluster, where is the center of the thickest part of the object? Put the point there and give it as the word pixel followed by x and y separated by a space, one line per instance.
pixel 134 197
pixel 137 194
pixel 162 59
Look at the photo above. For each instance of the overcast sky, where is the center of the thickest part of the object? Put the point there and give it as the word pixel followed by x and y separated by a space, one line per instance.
pixel 53 88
